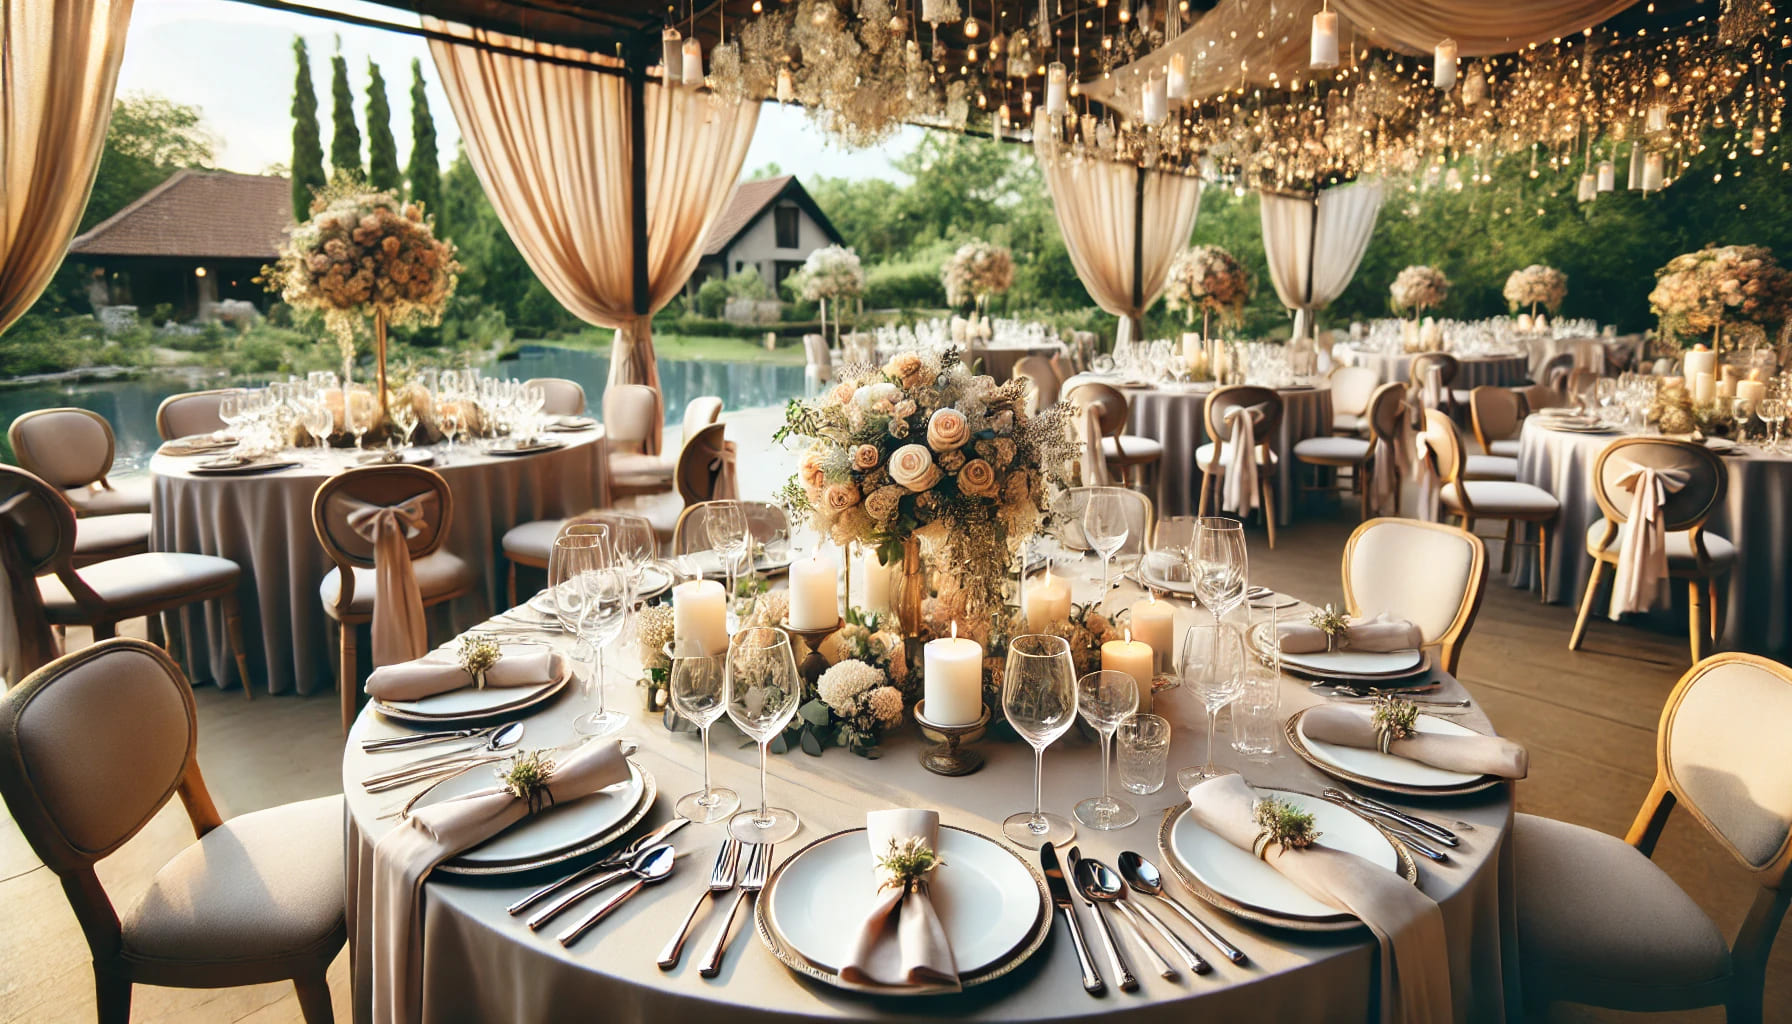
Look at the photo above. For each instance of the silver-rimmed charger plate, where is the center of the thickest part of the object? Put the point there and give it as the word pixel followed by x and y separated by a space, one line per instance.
pixel 1387 772
pixel 240 468
pixel 973 921
pixel 499 448
pixel 1351 666
pixel 655 580
pixel 555 835
pixel 469 704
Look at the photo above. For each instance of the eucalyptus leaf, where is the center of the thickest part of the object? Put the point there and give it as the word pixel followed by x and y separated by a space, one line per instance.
pixel 815 713
pixel 777 745
pixel 811 745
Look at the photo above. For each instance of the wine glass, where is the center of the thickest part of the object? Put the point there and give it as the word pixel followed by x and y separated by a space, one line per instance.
pixel 763 688
pixel 577 547
pixel 360 414
pixel 1742 410
pixel 1104 699
pixel 1105 527
pixel 231 411
pixel 1773 413
pixel 728 533
pixel 1219 563
pixel 1213 667
pixel 604 615
pixel 1039 696
pixel 403 412
pixel 699 692
pixel 635 545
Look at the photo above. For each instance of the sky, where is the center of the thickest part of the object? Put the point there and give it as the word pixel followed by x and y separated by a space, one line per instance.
pixel 234 62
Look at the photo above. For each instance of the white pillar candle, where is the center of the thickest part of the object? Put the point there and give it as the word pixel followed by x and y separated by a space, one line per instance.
pixel 693 62
pixel 1654 172
pixel 671 56
pixel 1726 389
pixel 700 615
pixel 1154 101
pixel 1657 118
pixel 1133 658
pixel 879 579
pixel 1751 390
pixel 1697 361
pixel 786 86
pixel 1324 48
pixel 815 592
pixel 1176 78
pixel 1443 74
pixel 1608 176
pixel 1057 100
pixel 1704 388
pixel 1047 602
pixel 952 679
pixel 1154 624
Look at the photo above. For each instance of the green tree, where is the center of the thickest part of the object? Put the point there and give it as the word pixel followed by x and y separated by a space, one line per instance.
pixel 345 144
pixel 382 149
pixel 425 169
pixel 492 267
pixel 307 140
pixel 148 138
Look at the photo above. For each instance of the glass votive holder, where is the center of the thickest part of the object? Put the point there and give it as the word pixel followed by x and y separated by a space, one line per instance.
pixel 1144 745
pixel 1256 714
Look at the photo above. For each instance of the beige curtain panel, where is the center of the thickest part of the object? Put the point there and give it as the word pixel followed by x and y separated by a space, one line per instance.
pixel 58 66
pixel 551 144
pixel 1479 27
pixel 1313 245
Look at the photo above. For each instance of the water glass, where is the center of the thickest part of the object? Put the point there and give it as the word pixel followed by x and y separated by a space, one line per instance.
pixel 1220 564
pixel 1039 698
pixel 604 615
pixel 763 688
pixel 1106 526
pixel 1256 713
pixel 1104 699
pixel 1213 669
pixel 1144 745
pixel 699 692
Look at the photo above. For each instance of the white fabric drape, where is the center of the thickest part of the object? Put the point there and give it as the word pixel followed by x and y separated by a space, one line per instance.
pixel 1314 244
pixel 552 144
pixel 1643 541
pixel 1479 27
pixel 1239 489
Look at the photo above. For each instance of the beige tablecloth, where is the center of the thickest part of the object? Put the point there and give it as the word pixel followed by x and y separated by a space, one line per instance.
pixel 1473 371
pixel 263 524
pixel 482 965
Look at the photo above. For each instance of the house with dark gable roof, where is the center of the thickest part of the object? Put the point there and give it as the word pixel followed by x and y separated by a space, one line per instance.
pixel 771 224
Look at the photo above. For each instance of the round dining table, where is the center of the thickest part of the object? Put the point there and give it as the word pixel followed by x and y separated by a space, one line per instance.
pixel 998 358
pixel 481 964
pixel 262 522
pixel 1757 504
pixel 1501 370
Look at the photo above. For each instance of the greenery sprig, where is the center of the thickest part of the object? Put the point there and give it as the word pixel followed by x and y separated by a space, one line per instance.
pixel 1334 624
pixel 1282 825
pixel 526 777
pixel 1395 718
pixel 478 653
pixel 908 864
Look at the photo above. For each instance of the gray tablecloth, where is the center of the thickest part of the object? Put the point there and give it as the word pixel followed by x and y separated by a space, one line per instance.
pixel 1474 371
pixel 997 360
pixel 263 524
pixel 482 965
pixel 1755 510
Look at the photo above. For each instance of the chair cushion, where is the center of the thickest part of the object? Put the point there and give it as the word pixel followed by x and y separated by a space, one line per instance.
pixel 1680 556
pixel 260 886
pixel 1350 423
pixel 437 574
pixel 1490 467
pixel 635 464
pixel 137 581
pixel 1596 917
pixel 1505 447
pixel 99 536
pixel 1503 499
pixel 1204 455
pixel 531 543
pixel 127 494
pixel 1132 448
pixel 1347 449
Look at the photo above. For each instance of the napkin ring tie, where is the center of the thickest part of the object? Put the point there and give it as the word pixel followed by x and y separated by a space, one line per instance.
pixel 478 653
pixel 526 777
pixel 1394 719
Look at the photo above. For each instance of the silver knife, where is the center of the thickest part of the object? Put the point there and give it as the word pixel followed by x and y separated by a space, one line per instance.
pixel 614 860
pixel 422 739
pixel 1060 892
pixel 1376 807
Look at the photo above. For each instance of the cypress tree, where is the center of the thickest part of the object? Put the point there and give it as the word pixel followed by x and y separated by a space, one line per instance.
pixel 425 169
pixel 345 145
pixel 307 143
pixel 382 150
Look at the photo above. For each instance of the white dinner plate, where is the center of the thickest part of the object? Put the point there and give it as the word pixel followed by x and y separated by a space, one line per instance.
pixel 655 580
pixel 470 702
pixel 711 566
pixel 558 832
pixel 506 446
pixel 988 900
pixel 1347 665
pixel 1367 763
pixel 1237 876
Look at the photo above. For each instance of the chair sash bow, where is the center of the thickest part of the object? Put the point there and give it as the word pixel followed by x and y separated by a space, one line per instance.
pixel 726 478
pixel 1094 462
pixel 1239 490
pixel 1643 542
pixel 399 631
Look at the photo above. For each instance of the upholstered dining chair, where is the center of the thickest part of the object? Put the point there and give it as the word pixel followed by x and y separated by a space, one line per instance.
pixel 1430 574
pixel 1127 455
pixel 38 531
pixel 1353 453
pixel 191 413
pixel 767 522
pixel 818 361
pixel 1600 924
pixel 1496 413
pixel 347 590
pixel 1554 372
pixel 92 746
pixel 531 544
pixel 1352 387
pixel 1536 397
pixel 705 473
pixel 1473 500
pixel 1695 555
pixel 630 412
pixel 1038 372
pixel 1213 457
pixel 1448 369
pixel 564 397
pixel 73 450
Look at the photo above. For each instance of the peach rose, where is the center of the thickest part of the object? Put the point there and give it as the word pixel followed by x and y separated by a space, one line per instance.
pixel 883 503
pixel 840 497
pixel 948 430
pixel 978 478
pixel 912 467
pixel 906 368
pixel 865 457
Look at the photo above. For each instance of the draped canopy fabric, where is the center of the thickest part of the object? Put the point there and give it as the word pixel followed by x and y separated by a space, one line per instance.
pixel 58 67
pixel 552 144
pixel 1313 244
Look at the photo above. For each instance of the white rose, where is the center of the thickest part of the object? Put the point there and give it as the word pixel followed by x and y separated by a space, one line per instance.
pixel 912 467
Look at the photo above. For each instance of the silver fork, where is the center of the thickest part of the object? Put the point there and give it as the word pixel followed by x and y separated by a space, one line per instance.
pixel 721 879
pixel 759 860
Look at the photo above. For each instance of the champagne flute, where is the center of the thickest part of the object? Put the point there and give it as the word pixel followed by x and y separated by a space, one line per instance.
pixel 1039 696
pixel 1105 527
pixel 699 692
pixel 1219 563
pixel 1104 699
pixel 1213 667
pixel 763 688
pixel 605 614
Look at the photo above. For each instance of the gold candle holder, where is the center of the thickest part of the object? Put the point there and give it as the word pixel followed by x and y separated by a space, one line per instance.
pixel 949 756
pixel 814 664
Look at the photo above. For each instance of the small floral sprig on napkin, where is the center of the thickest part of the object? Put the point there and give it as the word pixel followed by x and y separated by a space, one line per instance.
pixel 1282 825
pixel 526 777
pixel 1334 624
pixel 1395 718
pixel 478 653
pixel 908 864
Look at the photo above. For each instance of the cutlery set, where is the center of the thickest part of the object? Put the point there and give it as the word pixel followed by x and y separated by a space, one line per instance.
pixel 647 861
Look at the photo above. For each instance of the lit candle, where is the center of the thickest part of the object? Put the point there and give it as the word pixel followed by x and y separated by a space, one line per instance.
pixel 693 62
pixel 1608 176
pixel 1046 603
pixel 1654 171
pixel 1154 624
pixel 1699 360
pixel 952 679
pixel 1133 658
pixel 786 86
pixel 1056 79
pixel 815 592
pixel 1751 390
pixel 700 615
pixel 1443 75
pixel 1324 48
pixel 1155 104
pixel 1703 390
pixel 878 580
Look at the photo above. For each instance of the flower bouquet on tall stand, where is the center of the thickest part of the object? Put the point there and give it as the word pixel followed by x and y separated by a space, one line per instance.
pixel 975 272
pixel 1741 287
pixel 1210 281
pixel 1415 290
pixel 1534 286
pixel 831 272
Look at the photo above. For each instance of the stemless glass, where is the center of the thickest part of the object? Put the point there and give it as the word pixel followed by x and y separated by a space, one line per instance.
pixel 1103 699
pixel 699 692
pixel 1742 410
pixel 605 613
pixel 1105 527
pixel 1213 668
pixel 1144 746
pixel 763 688
pixel 728 533
pixel 1256 715
pixel 1039 696
pixel 1219 563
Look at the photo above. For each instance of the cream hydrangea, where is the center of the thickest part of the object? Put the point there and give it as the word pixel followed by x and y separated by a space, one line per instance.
pixel 841 686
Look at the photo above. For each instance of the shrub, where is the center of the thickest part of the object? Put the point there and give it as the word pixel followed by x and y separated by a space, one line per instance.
pixel 910 284
pixel 712 296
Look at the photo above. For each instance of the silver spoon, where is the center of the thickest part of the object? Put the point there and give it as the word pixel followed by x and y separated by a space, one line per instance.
pixel 1111 882
pixel 650 867
pixel 1101 885
pixel 505 738
pixel 636 866
pixel 1142 875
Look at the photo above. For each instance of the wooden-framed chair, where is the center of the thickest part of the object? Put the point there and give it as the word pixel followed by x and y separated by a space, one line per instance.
pixel 1430 574
pixel 347 590
pixel 1141 521
pixel 1699 557
pixel 1352 388
pixel 1127 455
pixel 191 413
pixel 1600 924
pixel 564 397
pixel 1039 372
pixel 630 412
pixel 1473 500
pixel 1448 369
pixel 1353 453
pixel 1213 457
pixel 1553 374
pixel 40 529
pixel 702 466
pixel 767 522
pixel 73 450
pixel 1496 413
pixel 92 746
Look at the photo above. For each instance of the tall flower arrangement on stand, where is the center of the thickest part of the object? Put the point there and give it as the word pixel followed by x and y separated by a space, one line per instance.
pixel 1536 285
pixel 1419 288
pixel 831 273
pixel 1210 281
pixel 976 271
pixel 1699 293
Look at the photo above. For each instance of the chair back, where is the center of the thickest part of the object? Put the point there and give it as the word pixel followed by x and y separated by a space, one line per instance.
pixel 1429 574
pixel 66 447
pixel 195 412
pixel 1582 383
pixel 1554 372
pixel 815 352
pixel 1538 396
pixel 700 412
pixel 1111 402
pixel 1140 518
pixel 1421 365
pixel 1387 407
pixel 376 485
pixel 36 521
pixel 1446 446
pixel 564 397
pixel 1684 509
pixel 630 412
pixel 1494 412
pixel 1062 367
pixel 699 463
pixel 1352 387
pixel 1264 403
pixel 765 521
pixel 1038 372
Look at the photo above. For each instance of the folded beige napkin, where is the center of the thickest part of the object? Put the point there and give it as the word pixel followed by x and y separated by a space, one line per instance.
pixel 1378 635
pixel 440 672
pixel 1475 755
pixel 404 857
pixel 902 943
pixel 1415 959
pixel 198 444
pixel 1643 540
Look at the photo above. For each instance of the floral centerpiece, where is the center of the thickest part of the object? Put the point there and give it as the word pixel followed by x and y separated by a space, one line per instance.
pixel 1699 293
pixel 831 272
pixel 654 633
pixel 860 695
pixel 1536 285
pixel 1207 280
pixel 365 255
pixel 976 271
pixel 921 451
pixel 1419 288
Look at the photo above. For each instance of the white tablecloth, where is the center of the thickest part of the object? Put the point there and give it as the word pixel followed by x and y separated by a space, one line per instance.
pixel 1473 372
pixel 482 965
pixel 1754 513
pixel 263 524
